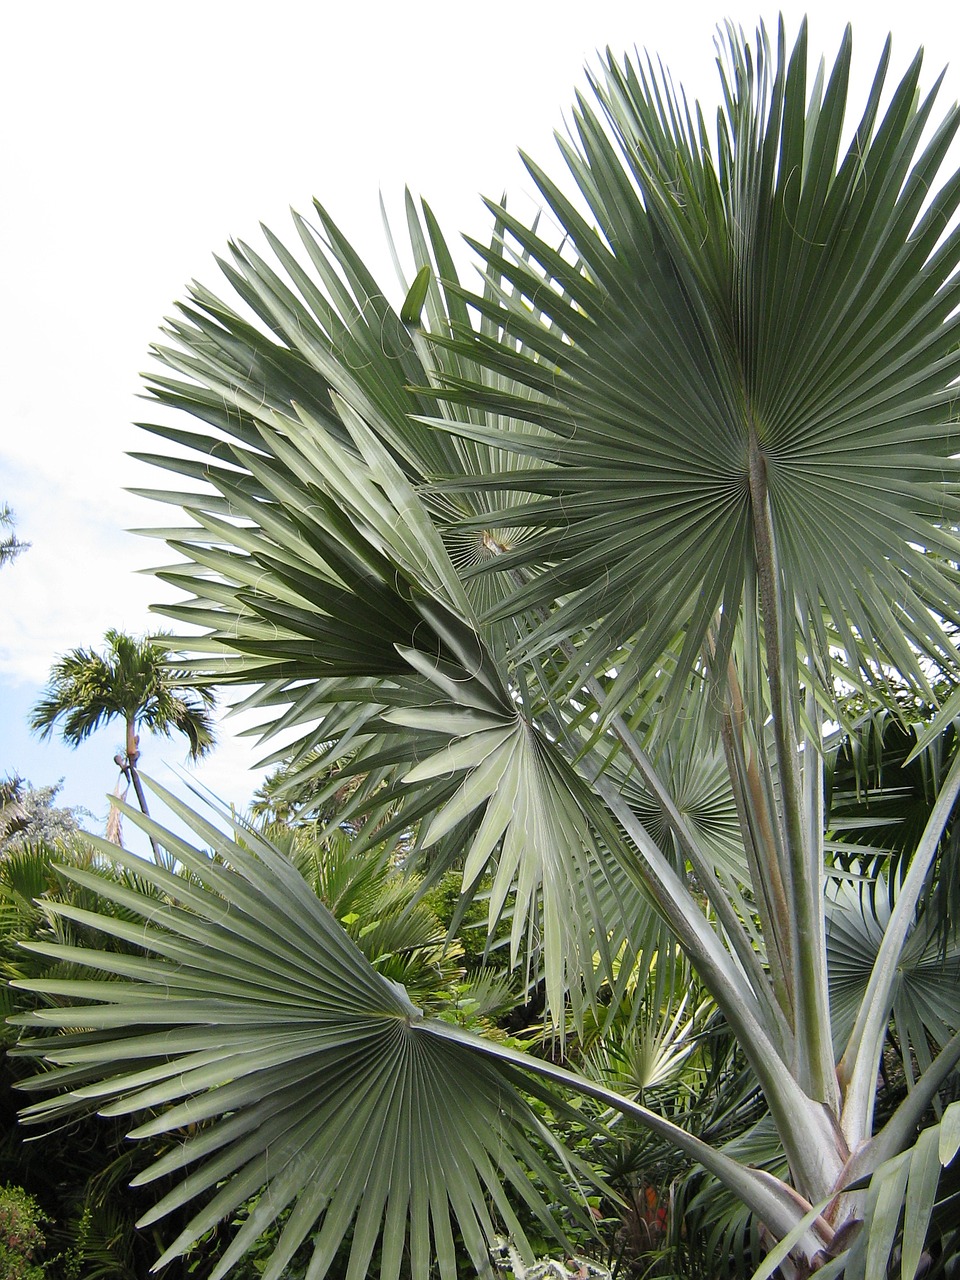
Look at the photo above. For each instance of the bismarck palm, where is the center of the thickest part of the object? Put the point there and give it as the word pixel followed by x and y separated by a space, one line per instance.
pixel 543 565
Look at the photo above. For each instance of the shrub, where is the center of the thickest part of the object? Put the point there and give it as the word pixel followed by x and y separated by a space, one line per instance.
pixel 21 1235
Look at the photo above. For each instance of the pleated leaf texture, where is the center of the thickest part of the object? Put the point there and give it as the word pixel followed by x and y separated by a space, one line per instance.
pixel 283 1066
pixel 749 336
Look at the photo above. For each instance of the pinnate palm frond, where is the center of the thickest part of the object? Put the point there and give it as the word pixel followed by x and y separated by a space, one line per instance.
pixel 79 695
pixel 10 545
pixel 882 785
pixel 13 809
pixel 134 680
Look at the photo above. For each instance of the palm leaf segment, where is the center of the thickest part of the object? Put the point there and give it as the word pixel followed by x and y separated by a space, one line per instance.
pixel 750 351
pixel 297 1068
pixel 926 998
pixel 316 560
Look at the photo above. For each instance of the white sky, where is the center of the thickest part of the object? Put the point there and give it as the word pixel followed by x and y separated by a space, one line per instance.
pixel 137 139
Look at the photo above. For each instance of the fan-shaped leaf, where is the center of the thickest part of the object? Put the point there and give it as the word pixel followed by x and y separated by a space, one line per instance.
pixel 300 1070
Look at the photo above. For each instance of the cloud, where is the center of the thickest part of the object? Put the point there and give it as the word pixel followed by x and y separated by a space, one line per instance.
pixel 79 576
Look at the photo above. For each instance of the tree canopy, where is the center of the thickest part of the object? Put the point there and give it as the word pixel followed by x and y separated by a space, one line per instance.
pixel 10 545
pixel 134 680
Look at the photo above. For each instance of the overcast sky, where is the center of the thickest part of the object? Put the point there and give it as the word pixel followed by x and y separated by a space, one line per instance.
pixel 137 139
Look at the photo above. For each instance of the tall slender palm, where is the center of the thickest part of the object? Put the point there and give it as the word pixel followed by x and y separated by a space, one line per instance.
pixel 134 680
pixel 578 570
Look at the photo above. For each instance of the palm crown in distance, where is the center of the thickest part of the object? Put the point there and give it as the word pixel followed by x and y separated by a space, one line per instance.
pixel 133 681
pixel 10 545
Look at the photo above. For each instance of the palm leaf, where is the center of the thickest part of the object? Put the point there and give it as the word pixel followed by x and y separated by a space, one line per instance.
pixel 250 1015
pixel 339 572
pixel 470 549
pixel 926 997
pixel 734 341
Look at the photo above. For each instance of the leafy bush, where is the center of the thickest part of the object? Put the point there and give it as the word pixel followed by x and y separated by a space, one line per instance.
pixel 21 1235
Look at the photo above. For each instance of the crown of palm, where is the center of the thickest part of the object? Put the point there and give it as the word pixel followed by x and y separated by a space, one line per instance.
pixel 132 680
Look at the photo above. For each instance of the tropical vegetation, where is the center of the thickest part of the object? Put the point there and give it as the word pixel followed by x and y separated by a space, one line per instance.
pixel 620 587
pixel 28 815
pixel 134 680
pixel 10 545
pixel 21 1235
pixel 78 1175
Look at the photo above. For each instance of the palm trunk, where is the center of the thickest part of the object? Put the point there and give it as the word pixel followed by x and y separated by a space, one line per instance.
pixel 158 855
pixel 133 755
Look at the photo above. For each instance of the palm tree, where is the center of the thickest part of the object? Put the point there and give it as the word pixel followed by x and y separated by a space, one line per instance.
pixel 10 544
pixel 134 680
pixel 579 571
pixel 14 815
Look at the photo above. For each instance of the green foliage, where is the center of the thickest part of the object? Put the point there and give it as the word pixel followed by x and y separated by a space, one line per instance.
pixel 21 1235
pixel 28 815
pixel 880 793
pixel 10 544
pixel 80 1170
pixel 137 681
pixel 299 790
pixel 134 680
pixel 302 1045
pixel 380 909
pixel 556 587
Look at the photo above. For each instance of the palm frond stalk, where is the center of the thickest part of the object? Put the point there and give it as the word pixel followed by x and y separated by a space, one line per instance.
pixel 568 575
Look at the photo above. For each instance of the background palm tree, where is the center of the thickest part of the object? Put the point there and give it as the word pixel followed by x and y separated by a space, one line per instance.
pixel 13 812
pixel 134 680
pixel 10 544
